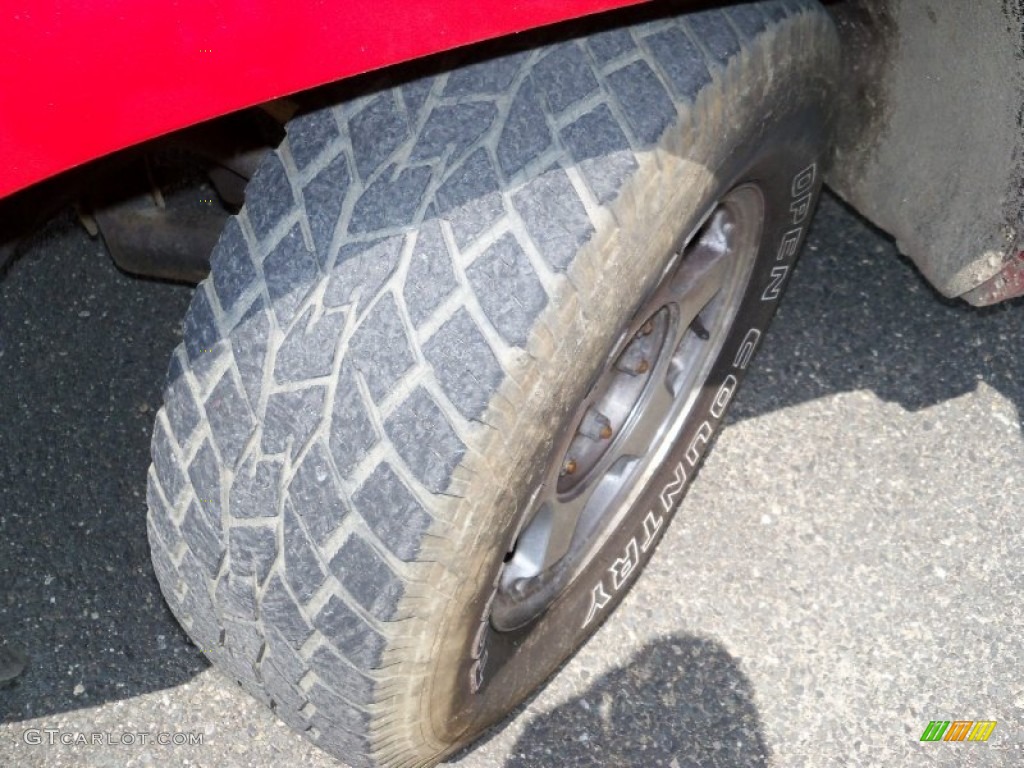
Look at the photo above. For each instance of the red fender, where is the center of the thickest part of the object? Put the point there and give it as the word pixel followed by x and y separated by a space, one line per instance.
pixel 82 78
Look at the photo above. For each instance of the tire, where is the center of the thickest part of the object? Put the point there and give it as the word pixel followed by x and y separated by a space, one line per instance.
pixel 427 284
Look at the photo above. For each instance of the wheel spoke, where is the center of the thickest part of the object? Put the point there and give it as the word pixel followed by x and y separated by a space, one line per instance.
pixel 566 516
pixel 569 518
pixel 698 282
pixel 652 416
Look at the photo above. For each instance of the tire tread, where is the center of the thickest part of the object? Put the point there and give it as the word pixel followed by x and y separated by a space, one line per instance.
pixel 323 458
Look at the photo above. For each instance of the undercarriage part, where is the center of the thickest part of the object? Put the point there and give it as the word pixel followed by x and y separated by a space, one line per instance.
pixel 234 146
pixel 129 194
pixel 929 145
pixel 162 212
pixel 172 242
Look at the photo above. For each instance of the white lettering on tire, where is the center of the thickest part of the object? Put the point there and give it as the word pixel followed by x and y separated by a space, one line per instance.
pixel 627 564
pixel 801 202
pixel 774 289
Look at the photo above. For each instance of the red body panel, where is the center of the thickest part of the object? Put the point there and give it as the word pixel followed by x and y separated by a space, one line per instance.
pixel 82 78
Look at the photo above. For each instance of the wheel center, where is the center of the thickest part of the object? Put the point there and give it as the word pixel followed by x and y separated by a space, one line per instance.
pixel 635 408
pixel 614 400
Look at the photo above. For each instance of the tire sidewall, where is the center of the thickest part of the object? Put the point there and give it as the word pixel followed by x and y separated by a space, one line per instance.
pixel 783 162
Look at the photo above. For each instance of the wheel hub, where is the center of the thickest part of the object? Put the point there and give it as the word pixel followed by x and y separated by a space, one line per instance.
pixel 619 431
pixel 617 398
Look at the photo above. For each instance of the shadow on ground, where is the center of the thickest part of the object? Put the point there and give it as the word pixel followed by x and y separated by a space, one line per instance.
pixel 681 701
pixel 858 316
pixel 83 352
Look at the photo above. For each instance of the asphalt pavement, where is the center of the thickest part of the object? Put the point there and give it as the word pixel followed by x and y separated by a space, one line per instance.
pixel 845 569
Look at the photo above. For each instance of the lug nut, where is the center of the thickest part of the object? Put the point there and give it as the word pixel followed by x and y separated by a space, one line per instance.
pixel 595 425
pixel 647 328
pixel 632 360
pixel 569 468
